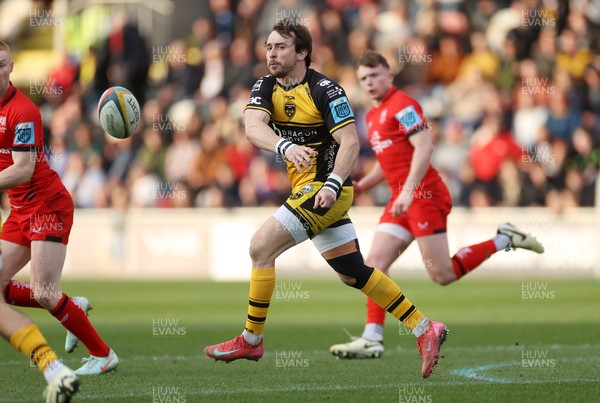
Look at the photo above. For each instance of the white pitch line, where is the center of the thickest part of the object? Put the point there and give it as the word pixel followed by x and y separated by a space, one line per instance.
pixel 473 372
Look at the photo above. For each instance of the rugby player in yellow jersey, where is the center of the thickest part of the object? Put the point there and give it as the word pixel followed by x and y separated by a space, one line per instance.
pixel 306 117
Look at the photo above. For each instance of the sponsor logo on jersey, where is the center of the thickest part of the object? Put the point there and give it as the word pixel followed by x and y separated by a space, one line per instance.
pixel 377 145
pixel 408 118
pixel 290 110
pixel 324 82
pixel 5 151
pixel 257 85
pixel 307 188
pixel 296 196
pixel 423 225
pixel 340 109
pixel 334 92
pixel 24 133
pixel 461 254
pixel 254 101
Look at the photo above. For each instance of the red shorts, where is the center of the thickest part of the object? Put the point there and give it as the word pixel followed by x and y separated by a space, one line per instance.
pixel 50 220
pixel 428 213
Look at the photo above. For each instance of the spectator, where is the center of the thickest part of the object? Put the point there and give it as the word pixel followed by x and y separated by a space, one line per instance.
pixel 481 56
pixel 183 76
pixel 508 67
pixel 446 61
pixel 571 57
pixel 203 172
pixel 213 81
pixel 535 187
pixel 239 68
pixel 450 154
pixel 185 148
pixel 334 31
pixel 466 95
pixel 562 120
pixel 544 52
pixel 151 154
pixel 123 60
pixel 90 188
pixel 223 18
pixel 491 146
pixel 592 89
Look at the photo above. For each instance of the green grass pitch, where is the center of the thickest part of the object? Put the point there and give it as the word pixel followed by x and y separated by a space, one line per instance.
pixel 510 341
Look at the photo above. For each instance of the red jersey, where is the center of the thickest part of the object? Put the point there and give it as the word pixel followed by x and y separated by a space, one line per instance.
pixel 21 130
pixel 390 125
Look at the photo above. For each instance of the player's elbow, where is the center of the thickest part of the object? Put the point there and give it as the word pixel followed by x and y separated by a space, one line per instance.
pixel 429 149
pixel 249 135
pixel 252 132
pixel 252 127
pixel 351 146
pixel 24 174
pixel 425 146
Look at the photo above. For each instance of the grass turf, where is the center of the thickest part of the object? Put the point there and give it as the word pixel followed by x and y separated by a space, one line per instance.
pixel 510 341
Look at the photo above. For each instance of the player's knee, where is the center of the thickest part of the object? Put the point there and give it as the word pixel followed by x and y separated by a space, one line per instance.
pixel 443 277
pixel 352 269
pixel 441 273
pixel 350 281
pixel 258 249
pixel 379 263
pixel 442 280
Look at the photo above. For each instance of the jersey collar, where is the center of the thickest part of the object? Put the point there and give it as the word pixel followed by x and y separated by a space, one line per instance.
pixel 390 92
pixel 9 94
pixel 305 79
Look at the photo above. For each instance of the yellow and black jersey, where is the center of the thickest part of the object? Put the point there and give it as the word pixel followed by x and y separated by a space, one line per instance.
pixel 306 114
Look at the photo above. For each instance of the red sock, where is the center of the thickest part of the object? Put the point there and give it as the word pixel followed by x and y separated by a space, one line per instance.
pixel 468 258
pixel 375 313
pixel 20 294
pixel 72 317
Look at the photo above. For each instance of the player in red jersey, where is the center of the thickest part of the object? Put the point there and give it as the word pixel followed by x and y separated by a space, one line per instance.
pixel 39 223
pixel 420 201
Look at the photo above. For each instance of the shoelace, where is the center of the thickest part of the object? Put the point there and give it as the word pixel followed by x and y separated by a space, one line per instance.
pixel 89 360
pixel 234 343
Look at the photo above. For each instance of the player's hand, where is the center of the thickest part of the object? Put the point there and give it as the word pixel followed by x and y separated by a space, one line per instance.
pixel 358 190
pixel 402 203
pixel 301 157
pixel 325 198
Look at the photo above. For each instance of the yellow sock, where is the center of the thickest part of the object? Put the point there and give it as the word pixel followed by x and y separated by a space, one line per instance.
pixel 30 341
pixel 385 293
pixel 262 284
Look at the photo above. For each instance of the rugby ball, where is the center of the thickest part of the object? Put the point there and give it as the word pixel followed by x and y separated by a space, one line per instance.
pixel 119 112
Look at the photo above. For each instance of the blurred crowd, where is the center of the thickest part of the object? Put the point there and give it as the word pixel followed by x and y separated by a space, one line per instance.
pixel 511 90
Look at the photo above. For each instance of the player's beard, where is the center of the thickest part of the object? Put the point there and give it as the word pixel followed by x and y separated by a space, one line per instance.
pixel 282 71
